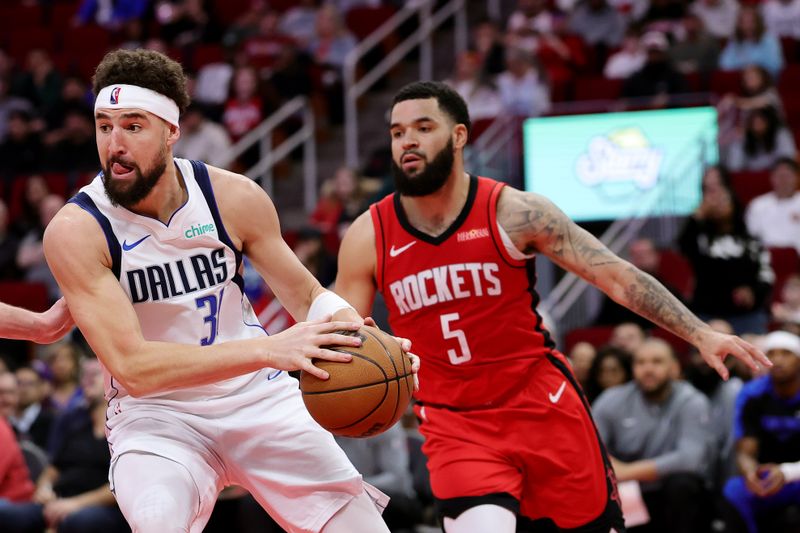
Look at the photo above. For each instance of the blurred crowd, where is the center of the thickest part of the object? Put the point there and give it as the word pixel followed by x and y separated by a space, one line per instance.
pixel 685 438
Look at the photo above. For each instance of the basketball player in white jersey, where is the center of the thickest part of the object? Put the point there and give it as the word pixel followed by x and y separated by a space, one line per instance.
pixel 148 257
pixel 43 328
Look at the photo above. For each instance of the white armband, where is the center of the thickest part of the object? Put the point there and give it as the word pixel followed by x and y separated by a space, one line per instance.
pixel 790 471
pixel 326 304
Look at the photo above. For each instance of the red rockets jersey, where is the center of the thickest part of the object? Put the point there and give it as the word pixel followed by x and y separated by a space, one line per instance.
pixel 465 303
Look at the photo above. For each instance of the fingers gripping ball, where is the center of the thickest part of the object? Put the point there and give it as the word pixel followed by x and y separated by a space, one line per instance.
pixel 365 396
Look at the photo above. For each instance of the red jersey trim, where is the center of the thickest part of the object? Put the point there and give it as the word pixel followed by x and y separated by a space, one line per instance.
pixel 498 240
pixel 380 250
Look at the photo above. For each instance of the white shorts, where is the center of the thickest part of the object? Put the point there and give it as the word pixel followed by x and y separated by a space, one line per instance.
pixel 267 443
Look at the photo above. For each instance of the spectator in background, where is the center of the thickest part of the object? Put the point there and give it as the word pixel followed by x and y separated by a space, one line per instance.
pixel 65 363
pixel 523 89
pixel 768 438
pixel 751 44
pixel 40 83
pixel 244 110
pixel 342 199
pixel 581 358
pixel 263 49
pixel 732 269
pixel 774 217
pixel 202 138
pixel 757 91
pixel 528 23
pixel 9 244
pixel 329 47
pixel 21 152
pixel 33 418
pixel 8 104
pixel 35 191
pixel 383 461
pixel 657 432
pixel 30 255
pixel 72 148
pixel 311 251
pixel 764 142
pixel 72 494
pixel 598 24
pixel 696 51
pixel 718 16
pixel 9 395
pixel 627 336
pixel 188 22
pixel 782 18
pixel 630 58
pixel 478 91
pixel 15 483
pixel 657 80
pixel 298 22
pixel 786 311
pixel 487 42
pixel 722 398
pixel 611 367
pixel 110 14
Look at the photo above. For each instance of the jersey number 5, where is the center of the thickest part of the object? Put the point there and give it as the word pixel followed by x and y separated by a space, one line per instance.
pixel 458 334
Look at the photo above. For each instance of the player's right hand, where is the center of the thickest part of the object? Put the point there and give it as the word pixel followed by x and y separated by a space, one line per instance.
pixel 297 347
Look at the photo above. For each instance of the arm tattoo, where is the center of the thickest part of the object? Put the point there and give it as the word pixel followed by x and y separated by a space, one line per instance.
pixel 533 223
pixel 652 300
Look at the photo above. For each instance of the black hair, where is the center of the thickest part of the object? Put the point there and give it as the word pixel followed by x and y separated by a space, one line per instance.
pixel 145 68
pixel 450 102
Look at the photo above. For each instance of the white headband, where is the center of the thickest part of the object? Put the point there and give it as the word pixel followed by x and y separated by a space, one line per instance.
pixel 135 97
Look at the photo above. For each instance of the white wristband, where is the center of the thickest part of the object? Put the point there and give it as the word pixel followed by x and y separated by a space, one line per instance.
pixel 791 471
pixel 326 304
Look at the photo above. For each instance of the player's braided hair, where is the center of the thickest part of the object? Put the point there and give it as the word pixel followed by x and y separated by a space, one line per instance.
pixel 145 68
pixel 448 99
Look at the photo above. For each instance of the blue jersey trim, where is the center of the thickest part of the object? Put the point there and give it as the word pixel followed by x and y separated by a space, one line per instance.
pixel 87 204
pixel 204 181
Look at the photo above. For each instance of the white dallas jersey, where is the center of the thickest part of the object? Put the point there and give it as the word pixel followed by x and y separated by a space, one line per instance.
pixel 183 279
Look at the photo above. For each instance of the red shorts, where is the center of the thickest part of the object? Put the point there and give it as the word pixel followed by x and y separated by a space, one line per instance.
pixel 540 446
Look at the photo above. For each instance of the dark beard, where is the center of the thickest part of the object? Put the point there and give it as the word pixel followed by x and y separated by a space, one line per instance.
pixel 431 179
pixel 141 186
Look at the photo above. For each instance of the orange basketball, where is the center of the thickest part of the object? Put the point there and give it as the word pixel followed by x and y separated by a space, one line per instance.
pixel 365 396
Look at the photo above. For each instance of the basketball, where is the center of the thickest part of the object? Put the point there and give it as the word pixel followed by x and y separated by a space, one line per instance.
pixel 365 396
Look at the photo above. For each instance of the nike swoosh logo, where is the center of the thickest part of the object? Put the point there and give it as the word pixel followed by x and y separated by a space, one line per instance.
pixel 394 252
pixel 557 396
pixel 128 247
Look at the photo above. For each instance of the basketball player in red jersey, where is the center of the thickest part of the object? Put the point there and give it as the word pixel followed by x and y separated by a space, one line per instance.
pixel 507 429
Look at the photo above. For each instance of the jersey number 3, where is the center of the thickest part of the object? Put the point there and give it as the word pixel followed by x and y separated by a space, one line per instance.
pixel 458 334
pixel 212 318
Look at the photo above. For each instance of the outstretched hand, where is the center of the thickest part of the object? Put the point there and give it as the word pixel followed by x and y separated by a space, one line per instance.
pixel 715 347
pixel 405 345
pixel 53 323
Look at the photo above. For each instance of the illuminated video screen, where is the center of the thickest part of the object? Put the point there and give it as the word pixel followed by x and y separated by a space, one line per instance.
pixel 621 165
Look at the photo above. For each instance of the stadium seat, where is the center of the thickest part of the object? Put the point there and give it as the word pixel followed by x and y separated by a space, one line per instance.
pixel 31 296
pixel 22 16
pixel 230 10
pixel 784 261
pixel 595 335
pixel 23 40
pixel 363 20
pixel 725 81
pixel 748 185
pixel 674 270
pixel 597 88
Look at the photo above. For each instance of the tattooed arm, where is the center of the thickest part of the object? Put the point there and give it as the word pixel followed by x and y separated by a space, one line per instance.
pixel 536 225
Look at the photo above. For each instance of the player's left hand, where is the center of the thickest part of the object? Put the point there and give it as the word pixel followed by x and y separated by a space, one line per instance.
pixel 53 323
pixel 405 345
pixel 714 347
